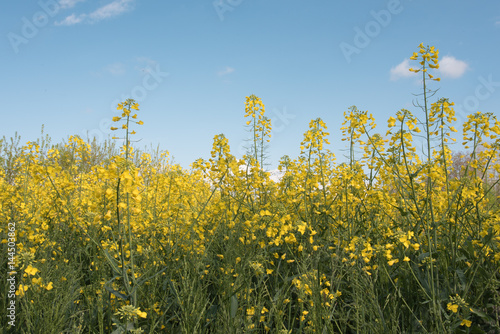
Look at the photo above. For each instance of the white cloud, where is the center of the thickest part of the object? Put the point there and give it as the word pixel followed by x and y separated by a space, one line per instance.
pixel 401 70
pixel 71 20
pixel 226 71
pixel 451 67
pixel 448 67
pixel 115 8
pixel 68 3
pixel 112 9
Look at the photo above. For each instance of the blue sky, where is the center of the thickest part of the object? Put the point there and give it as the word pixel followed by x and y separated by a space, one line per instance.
pixel 190 64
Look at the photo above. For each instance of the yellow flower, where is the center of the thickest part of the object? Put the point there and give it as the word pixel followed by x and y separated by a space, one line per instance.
pixel 36 281
pixel 31 270
pixel 391 262
pixel 391 122
pixel 265 213
pixel 466 322
pixel 141 313
pixel 452 307
pixel 302 228
pixel 403 239
pixel 21 290
pixel 49 286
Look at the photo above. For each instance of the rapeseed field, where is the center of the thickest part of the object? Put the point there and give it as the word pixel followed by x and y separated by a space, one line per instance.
pixel 104 238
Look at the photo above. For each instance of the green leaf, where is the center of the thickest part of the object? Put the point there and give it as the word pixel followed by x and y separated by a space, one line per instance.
pixel 234 306
pixel 113 263
pixel 481 314
pixel 461 277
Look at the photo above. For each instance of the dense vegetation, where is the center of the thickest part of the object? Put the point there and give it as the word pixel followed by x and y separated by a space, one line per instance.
pixel 110 239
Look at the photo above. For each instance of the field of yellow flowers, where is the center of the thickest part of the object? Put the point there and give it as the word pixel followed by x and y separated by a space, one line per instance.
pixel 106 239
